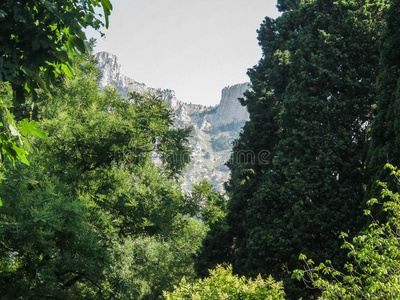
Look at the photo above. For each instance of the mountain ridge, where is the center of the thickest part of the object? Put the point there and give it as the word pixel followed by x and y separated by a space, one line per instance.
pixel 214 127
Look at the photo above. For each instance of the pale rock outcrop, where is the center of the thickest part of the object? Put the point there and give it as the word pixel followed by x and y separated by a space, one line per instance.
pixel 229 109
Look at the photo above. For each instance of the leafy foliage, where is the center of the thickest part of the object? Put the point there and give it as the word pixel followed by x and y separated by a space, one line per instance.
pixel 13 142
pixel 44 36
pixel 38 41
pixel 48 244
pixel 374 271
pixel 209 204
pixel 147 265
pixel 93 196
pixel 385 140
pixel 312 97
pixel 222 284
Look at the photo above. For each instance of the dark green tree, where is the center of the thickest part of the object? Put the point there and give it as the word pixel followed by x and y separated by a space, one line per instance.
pixel 374 268
pixel 297 169
pixel 384 143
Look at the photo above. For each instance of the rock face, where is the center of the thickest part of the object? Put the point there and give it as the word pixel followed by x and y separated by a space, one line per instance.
pixel 110 68
pixel 214 128
pixel 229 109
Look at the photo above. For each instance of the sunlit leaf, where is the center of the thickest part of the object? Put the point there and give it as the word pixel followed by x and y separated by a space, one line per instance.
pixel 31 128
pixel 67 70
pixel 13 130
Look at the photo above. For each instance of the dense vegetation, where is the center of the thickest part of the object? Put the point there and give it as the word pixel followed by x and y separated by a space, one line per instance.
pixel 374 271
pixel 89 213
pixel 315 96
pixel 39 40
pixel 93 215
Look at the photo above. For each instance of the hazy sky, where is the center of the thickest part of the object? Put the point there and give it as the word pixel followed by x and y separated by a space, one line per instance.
pixel 195 47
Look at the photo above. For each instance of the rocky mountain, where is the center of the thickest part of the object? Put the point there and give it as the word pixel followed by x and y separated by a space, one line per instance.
pixel 214 127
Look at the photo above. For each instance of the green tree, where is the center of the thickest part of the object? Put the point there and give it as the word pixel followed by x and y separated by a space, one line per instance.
pixel 49 246
pixel 146 266
pixel 385 139
pixel 209 204
pixel 91 189
pixel 212 209
pixel 374 270
pixel 297 168
pixel 44 37
pixel 38 41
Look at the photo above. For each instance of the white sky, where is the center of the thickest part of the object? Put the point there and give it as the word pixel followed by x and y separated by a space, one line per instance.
pixel 194 47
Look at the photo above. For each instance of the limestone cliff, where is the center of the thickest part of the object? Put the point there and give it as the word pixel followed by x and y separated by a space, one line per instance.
pixel 229 109
pixel 110 69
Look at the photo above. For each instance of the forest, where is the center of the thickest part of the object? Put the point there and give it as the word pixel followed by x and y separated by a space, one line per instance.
pixel 86 212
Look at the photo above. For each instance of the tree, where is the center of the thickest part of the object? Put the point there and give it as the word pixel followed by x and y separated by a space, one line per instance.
pixel 212 209
pixel 38 41
pixel 297 169
pixel 98 141
pixel 93 195
pixel 384 138
pixel 209 204
pixel 43 37
pixel 49 247
pixel 374 271
pixel 146 266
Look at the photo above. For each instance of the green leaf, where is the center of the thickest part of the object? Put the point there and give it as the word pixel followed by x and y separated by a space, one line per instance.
pixel 13 130
pixel 66 68
pixel 302 256
pixel 42 85
pixel 107 7
pixel 31 128
pixel 70 49
pixel 106 4
pixel 21 154
pixel 26 142
pixel 62 56
pixel 27 71
pixel 3 15
pixel 78 43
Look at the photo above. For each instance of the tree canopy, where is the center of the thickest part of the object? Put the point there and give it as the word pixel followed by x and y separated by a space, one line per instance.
pixel 384 140
pixel 312 97
pixel 373 270
pixel 98 211
pixel 93 215
pixel 43 37
pixel 38 41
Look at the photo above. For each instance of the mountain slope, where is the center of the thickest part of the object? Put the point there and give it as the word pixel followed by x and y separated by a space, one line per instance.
pixel 214 128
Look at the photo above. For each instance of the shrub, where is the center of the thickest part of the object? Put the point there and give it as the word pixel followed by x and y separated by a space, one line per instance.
pixel 222 284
